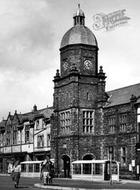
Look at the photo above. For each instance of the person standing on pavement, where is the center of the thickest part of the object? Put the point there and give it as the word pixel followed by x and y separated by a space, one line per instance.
pixel 10 168
pixel 45 170
pixel 16 173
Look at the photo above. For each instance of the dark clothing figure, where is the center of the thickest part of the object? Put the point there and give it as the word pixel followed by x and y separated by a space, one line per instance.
pixel 16 173
pixel 46 172
pixel 46 166
pixel 52 170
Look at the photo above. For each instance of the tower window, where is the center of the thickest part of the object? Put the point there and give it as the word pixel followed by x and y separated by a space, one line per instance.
pixel 88 96
pixel 123 122
pixel 88 121
pixel 111 124
pixel 65 122
pixel 112 129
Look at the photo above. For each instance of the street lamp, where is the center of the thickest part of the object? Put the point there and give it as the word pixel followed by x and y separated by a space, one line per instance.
pixel 138 159
pixel 110 158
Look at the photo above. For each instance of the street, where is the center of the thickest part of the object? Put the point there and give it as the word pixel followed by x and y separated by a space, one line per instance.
pixel 6 183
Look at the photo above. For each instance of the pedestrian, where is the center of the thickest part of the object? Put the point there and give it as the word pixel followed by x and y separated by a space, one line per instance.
pixel 16 173
pixel 45 171
pixel 51 171
pixel 10 168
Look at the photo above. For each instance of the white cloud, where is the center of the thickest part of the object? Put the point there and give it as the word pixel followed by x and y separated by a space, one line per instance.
pixel 25 35
pixel 22 92
pixel 30 34
pixel 26 55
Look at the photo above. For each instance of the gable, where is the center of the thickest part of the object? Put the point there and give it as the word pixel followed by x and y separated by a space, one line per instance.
pixel 15 119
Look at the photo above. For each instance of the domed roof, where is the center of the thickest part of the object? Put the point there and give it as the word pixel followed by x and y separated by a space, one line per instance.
pixel 79 33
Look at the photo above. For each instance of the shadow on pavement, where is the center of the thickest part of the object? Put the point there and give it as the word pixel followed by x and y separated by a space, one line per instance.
pixel 22 187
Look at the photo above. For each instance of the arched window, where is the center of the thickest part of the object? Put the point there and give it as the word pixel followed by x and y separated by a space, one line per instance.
pixel 88 157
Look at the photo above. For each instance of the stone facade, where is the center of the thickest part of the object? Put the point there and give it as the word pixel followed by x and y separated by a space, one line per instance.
pixel 88 122
pixel 85 122
pixel 79 94
pixel 25 137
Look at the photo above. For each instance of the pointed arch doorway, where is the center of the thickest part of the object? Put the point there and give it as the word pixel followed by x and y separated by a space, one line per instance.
pixel 66 165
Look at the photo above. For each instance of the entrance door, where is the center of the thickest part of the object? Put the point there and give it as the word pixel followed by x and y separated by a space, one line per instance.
pixel 66 166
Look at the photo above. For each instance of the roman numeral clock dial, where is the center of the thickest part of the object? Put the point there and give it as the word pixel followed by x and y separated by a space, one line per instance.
pixel 65 65
pixel 88 64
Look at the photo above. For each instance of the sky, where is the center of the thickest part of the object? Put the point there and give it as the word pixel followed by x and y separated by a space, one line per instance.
pixel 30 37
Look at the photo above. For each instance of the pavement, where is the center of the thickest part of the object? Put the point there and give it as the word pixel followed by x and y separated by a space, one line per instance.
pixel 70 184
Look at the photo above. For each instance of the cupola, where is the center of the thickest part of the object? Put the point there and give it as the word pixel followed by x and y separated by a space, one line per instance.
pixel 79 33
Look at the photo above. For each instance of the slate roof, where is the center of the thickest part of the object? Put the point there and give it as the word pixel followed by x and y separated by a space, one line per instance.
pixel 30 116
pixel 46 113
pixel 123 95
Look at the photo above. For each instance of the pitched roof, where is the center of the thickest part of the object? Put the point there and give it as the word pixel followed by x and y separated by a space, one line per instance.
pixel 30 116
pixel 45 112
pixel 122 95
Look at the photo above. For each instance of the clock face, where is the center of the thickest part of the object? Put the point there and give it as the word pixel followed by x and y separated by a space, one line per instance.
pixel 88 64
pixel 65 65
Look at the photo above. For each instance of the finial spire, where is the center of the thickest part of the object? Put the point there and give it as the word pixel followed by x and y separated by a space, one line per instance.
pixel 79 17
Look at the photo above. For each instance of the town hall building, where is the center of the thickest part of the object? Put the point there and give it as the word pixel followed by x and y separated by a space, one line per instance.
pixel 88 122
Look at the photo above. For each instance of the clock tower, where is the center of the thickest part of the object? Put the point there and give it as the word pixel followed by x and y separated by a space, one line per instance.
pixel 79 95
pixel 79 47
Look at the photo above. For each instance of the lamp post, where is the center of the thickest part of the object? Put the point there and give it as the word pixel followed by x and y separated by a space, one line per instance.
pixel 138 159
pixel 110 158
